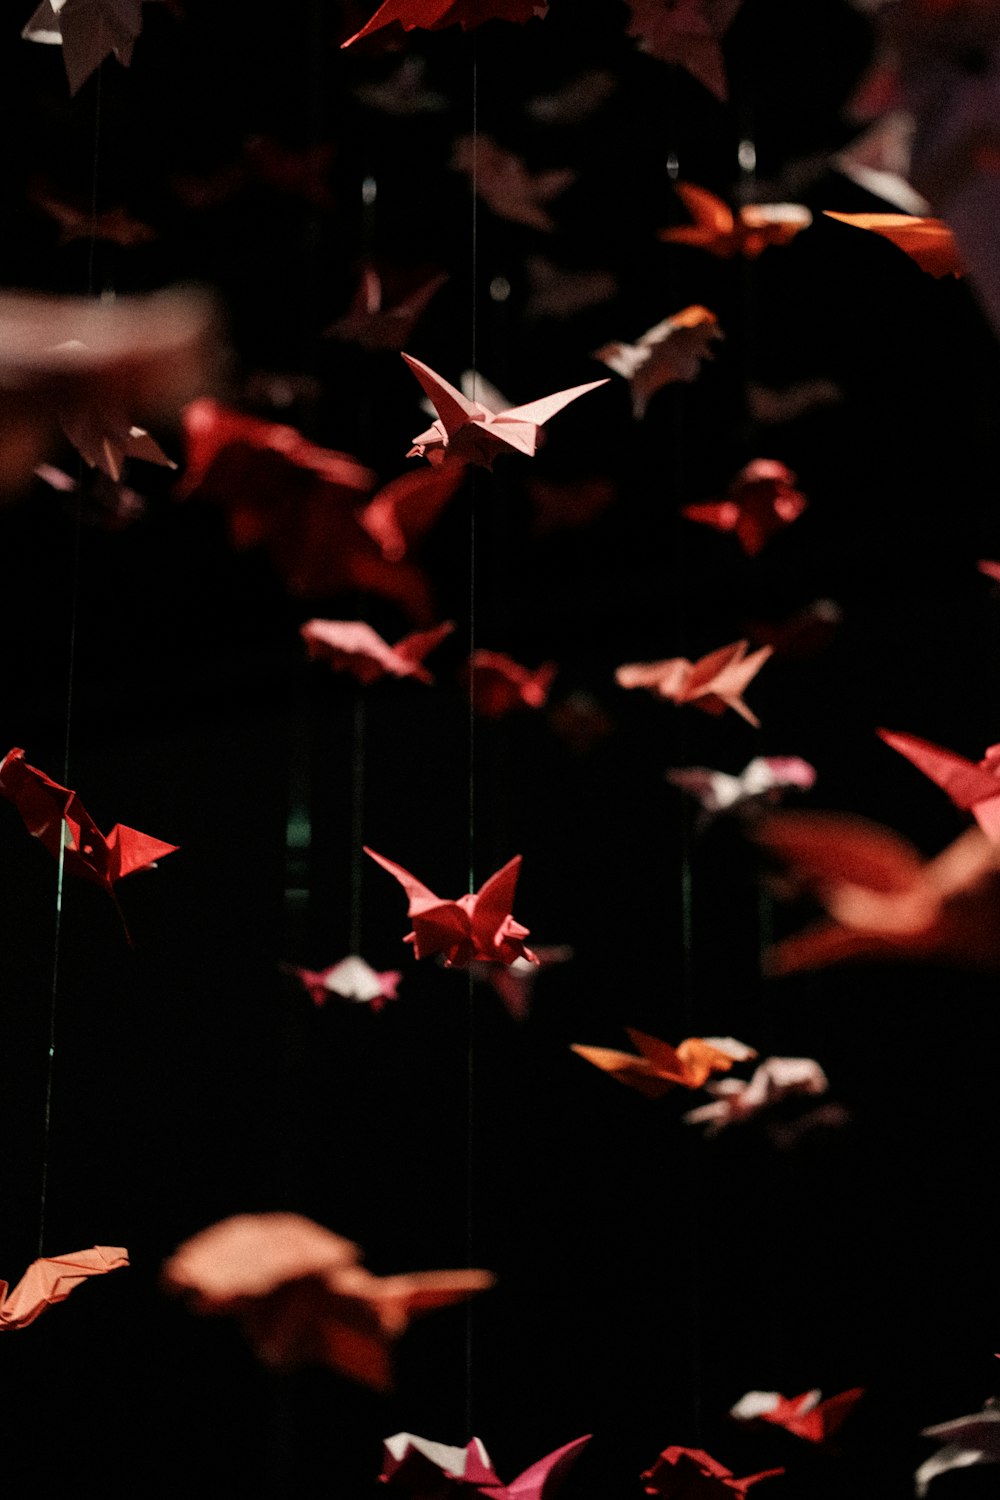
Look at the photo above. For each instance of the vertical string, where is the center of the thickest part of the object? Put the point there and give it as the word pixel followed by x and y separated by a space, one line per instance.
pixel 357 813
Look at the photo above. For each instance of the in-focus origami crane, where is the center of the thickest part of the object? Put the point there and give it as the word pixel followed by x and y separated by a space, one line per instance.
pixel 671 351
pixel 761 500
pixel 660 1067
pixel 478 925
pixel 693 1474
pixel 764 776
pixel 736 1100
pixel 404 510
pixel 51 1280
pixel 469 431
pixel 423 1470
pixel 687 33
pixel 967 1441
pixel 713 683
pixel 353 646
pixel 748 232
pixel 375 325
pixel 927 241
pixel 88 31
pixel 806 1416
pixel 508 187
pixel 301 1296
pixel 432 15
pixel 58 819
pixel 351 979
pixel 497 684
pixel 973 787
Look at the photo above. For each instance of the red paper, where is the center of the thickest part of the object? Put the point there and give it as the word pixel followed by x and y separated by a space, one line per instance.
pixel 927 241
pixel 432 15
pixel 687 33
pixel 693 1474
pixel 114 226
pixel 506 185
pixel 804 1416
pixel 748 232
pixel 672 351
pixel 661 1067
pixel 352 646
pixel 475 926
pixel 762 499
pixel 51 1280
pixel 351 979
pixel 974 788
pixel 405 509
pixel 433 1471
pixel 88 32
pixel 713 683
pixel 374 325
pixel 497 684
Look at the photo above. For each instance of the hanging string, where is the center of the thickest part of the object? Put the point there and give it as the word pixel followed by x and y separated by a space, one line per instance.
pixel 357 813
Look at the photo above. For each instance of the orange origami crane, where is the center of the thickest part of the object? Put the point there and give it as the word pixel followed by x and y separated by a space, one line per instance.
pixel 671 351
pixel 432 15
pixel 51 1280
pixel 469 431
pixel 748 232
pixel 761 500
pixel 927 241
pixel 498 684
pixel 479 925
pixel 713 683
pixel 974 788
pixel 88 31
pixel 693 1474
pixel 805 1416
pixel 661 1067
pixel 353 646
pixel 302 1297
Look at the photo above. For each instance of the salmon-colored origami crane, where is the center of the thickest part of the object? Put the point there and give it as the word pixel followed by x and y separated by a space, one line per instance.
pixel 747 232
pixel 713 683
pixel 693 1474
pixel 424 1470
pixel 353 646
pixel 973 787
pixel 498 684
pixel 660 1067
pixel 51 1279
pixel 762 499
pixel 927 241
pixel 805 1416
pixel 351 979
pixel 478 925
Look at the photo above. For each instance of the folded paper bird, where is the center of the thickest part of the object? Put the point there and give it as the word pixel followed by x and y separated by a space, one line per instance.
pixel 661 1067
pixel 805 1416
pixel 479 925
pixel 433 1471
pixel 51 1280
pixel 713 683
pixel 748 232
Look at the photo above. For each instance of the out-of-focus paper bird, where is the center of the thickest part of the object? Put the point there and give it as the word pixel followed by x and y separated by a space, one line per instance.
pixel 479 925
pixel 764 776
pixel 736 1099
pixel 672 351
pixel 770 407
pixel 403 93
pixel 989 569
pixel 469 431
pixel 351 979
pixel 51 1280
pixel 88 31
pixel 301 1296
pixel 687 33
pixel 402 512
pixel 927 241
pixel 515 983
pixel 974 788
pixel 567 505
pixel 375 324
pixel 882 898
pixel 353 646
pixel 748 232
pixel 58 819
pixel 693 1474
pixel 879 162
pixel 433 1471
pixel 576 101
pixel 806 1416
pixel 497 684
pixel 105 503
pixel 105 444
pixel 302 173
pixel 114 226
pixel 660 1067
pixel 967 1441
pixel 508 187
pixel 432 15
pixel 713 683
pixel 761 500
pixel 557 292
pixel 800 636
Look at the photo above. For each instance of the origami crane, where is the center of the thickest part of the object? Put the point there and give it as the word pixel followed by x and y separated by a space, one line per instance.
pixel 736 1100
pixel 967 1441
pixel 764 776
pixel 671 351
pixel 576 101
pixel 693 1474
pixel 557 292
pixel 301 1296
pixel 805 1416
pixel 432 15
pixel 105 444
pixel 566 506
pixel 88 31
pixel 405 509
pixel 353 646
pixel 660 1067
pixel 433 1471
pixel 761 500
pixel 351 979
pixel 748 232
pixel 927 241
pixel 506 184
pixel 974 788
pixel 479 925
pixel 498 684
pixel 56 816
pixel 687 33
pixel 51 1280
pixel 374 325
pixel 713 683
pixel 403 93
pixel 882 899
pixel 114 226
pixel 514 983
pixel 772 407
pixel 989 569
pixel 802 634
pixel 469 431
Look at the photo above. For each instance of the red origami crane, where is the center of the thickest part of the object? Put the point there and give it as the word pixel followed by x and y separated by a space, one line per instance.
pixel 479 925
pixel 713 683
pixel 51 1280
pixel 88 31
pixel 301 1296
pixel 115 226
pixel 671 351
pixel 497 684
pixel 508 187
pixel 374 325
pixel 56 816
pixel 974 788
pixel 761 500
pixel 352 646
pixel 432 15
pixel 693 1474
pixel 352 980
pixel 405 509
pixel 662 1067
pixel 805 1416
pixel 433 1471
pixel 687 33
pixel 469 431
pixel 927 241
pixel 748 232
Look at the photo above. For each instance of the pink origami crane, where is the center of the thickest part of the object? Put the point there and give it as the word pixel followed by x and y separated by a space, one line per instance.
pixel 432 15
pixel 968 1441
pixel 764 776
pixel 114 226
pixel 713 683
pixel 805 1416
pixel 736 1100
pixel 505 183
pixel 498 684
pixel 405 509
pixel 375 325
pixel 57 818
pixel 514 983
pixel 351 979
pixel 687 33
pixel 693 1474
pixel 51 1280
pixel 88 31
pixel 469 431
pixel 761 500
pixel 105 444
pixel 927 241
pixel 671 351
pixel 974 788
pixel 474 926
pixel 661 1067
pixel 558 292
pixel 433 1471
pixel 353 646
pixel 301 1296
pixel 748 232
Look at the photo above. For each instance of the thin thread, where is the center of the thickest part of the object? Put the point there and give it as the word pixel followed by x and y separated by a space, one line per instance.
pixel 357 814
